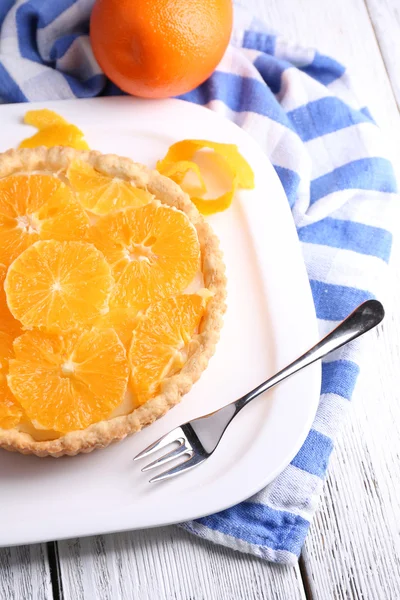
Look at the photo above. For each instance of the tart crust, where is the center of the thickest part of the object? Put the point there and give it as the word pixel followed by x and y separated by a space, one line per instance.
pixel 103 433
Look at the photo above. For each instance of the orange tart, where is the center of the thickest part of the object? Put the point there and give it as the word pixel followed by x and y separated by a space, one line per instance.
pixel 112 292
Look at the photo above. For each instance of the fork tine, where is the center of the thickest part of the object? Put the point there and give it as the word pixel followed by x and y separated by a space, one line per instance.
pixel 186 465
pixel 176 435
pixel 176 453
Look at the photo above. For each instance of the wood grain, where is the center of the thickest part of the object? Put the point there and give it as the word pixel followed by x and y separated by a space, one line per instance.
pixel 25 573
pixel 385 17
pixel 167 563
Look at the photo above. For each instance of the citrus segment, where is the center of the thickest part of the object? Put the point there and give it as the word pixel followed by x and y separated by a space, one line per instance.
pixel 37 207
pixel 8 324
pixel 58 285
pixel 10 411
pixel 178 162
pixel 101 194
pixel 120 318
pixel 69 381
pixel 154 252
pixel 160 342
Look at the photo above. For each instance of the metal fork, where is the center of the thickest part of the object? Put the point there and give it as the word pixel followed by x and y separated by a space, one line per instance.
pixel 195 440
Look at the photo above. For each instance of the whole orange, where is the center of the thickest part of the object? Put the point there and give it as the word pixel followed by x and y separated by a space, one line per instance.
pixel 160 48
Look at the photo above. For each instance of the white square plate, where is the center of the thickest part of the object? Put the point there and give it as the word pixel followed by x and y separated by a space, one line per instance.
pixel 270 320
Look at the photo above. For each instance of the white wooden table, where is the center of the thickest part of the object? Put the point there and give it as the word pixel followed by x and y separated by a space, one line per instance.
pixel 353 548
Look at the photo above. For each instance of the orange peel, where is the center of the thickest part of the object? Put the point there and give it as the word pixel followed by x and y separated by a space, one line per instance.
pixel 43 118
pixel 54 130
pixel 178 162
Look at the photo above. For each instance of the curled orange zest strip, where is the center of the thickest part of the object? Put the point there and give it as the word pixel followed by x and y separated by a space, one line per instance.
pixel 178 162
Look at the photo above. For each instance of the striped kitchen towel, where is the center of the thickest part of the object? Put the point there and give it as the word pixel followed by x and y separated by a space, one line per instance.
pixel 339 182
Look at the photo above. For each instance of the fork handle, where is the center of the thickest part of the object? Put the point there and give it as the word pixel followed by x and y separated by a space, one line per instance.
pixel 365 317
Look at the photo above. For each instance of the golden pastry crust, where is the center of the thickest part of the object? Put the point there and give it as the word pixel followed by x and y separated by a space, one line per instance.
pixel 103 433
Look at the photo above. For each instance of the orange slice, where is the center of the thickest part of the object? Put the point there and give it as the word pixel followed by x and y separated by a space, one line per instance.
pixel 120 318
pixel 68 381
pixel 178 162
pixel 8 324
pixel 54 130
pixel 160 342
pixel 37 207
pixel 101 194
pixel 10 411
pixel 58 285
pixel 154 252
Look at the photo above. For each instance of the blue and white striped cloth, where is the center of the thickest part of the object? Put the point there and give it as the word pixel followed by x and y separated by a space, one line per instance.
pixel 329 156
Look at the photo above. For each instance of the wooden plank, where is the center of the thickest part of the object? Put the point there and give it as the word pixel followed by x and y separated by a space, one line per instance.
pixel 385 17
pixel 166 563
pixel 25 573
